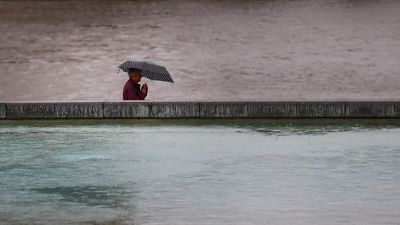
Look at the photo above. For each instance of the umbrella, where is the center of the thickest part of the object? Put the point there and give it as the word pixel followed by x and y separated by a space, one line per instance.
pixel 149 70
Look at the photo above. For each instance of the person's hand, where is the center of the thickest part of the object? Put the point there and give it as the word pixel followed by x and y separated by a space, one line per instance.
pixel 144 88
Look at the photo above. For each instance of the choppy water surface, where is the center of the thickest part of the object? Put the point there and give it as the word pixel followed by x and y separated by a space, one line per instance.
pixel 215 49
pixel 199 173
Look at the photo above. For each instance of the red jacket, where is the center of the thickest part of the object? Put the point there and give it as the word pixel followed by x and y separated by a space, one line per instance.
pixel 132 91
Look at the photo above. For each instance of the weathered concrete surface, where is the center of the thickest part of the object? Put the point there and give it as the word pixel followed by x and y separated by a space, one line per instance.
pixel 370 109
pixel 141 109
pixel 321 109
pixel 30 111
pixel 126 109
pixel 396 109
pixel 272 109
pixel 84 110
pixel 224 109
pixel 2 111
pixel 174 110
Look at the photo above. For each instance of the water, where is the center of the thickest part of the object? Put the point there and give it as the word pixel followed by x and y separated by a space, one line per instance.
pixel 199 172
pixel 215 49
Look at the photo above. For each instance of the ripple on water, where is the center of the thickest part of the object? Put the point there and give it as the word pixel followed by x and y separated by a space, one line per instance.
pixel 107 196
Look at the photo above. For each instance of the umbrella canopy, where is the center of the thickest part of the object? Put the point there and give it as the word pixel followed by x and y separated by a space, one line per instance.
pixel 149 70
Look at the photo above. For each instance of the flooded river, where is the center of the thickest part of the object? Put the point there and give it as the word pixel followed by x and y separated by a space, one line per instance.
pixel 194 173
pixel 215 50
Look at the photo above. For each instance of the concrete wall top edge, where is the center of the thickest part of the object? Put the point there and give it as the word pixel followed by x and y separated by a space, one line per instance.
pixel 241 102
pixel 250 101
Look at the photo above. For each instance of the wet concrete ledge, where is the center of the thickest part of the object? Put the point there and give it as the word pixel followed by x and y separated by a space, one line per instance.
pixel 144 109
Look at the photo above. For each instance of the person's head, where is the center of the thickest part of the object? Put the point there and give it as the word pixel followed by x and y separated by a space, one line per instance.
pixel 135 74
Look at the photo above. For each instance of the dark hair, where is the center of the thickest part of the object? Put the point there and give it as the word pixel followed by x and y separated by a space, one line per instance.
pixel 132 70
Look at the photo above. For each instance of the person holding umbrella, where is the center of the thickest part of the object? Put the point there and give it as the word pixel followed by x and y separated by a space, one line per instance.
pixel 132 89
pixel 137 69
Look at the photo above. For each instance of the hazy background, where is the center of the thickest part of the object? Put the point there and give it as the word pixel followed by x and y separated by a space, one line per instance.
pixel 215 50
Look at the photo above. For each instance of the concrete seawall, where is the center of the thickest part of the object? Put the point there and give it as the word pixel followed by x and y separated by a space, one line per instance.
pixel 143 109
